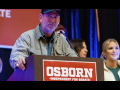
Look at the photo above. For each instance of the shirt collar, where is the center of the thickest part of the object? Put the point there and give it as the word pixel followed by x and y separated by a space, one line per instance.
pixel 105 67
pixel 40 33
pixel 41 30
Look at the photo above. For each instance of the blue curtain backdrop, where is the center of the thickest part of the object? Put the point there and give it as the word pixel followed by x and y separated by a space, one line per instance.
pixel 75 24
pixel 82 24
pixel 94 43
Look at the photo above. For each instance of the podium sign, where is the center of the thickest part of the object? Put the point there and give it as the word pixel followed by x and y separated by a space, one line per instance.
pixel 59 70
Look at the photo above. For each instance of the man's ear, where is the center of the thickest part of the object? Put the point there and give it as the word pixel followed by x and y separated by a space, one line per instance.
pixel 40 17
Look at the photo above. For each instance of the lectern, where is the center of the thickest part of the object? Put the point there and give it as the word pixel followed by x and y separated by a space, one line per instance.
pixel 53 68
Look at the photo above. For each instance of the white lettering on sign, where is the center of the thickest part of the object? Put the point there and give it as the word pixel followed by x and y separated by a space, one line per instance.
pixel 71 72
pixel 64 71
pixel 57 73
pixel 79 72
pixel 5 13
pixel 88 72
pixel 48 71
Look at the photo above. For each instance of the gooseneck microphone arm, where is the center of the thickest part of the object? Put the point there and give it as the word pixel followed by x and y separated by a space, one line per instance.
pixel 69 43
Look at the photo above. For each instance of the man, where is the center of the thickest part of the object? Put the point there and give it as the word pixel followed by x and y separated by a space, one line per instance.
pixel 41 41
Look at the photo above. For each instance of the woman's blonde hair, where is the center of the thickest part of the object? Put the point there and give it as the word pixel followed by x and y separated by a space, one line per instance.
pixel 105 45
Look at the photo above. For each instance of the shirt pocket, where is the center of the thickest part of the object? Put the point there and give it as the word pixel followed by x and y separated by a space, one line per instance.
pixel 59 52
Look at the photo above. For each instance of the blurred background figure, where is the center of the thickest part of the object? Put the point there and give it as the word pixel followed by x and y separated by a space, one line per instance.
pixel 1 65
pixel 80 47
pixel 60 28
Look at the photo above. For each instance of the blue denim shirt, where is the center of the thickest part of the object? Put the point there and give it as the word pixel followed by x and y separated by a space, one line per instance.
pixel 50 43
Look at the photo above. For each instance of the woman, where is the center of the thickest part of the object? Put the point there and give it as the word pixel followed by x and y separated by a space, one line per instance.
pixel 80 47
pixel 110 54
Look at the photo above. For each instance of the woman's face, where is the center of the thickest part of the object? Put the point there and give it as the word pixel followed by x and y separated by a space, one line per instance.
pixel 112 51
pixel 83 52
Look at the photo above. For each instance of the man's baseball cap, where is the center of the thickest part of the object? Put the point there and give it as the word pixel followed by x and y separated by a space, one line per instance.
pixel 49 10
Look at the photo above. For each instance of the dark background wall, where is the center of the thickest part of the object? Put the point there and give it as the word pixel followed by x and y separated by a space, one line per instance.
pixel 7 70
pixel 109 24
pixel 109 28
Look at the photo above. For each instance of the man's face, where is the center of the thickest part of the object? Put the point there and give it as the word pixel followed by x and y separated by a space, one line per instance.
pixel 49 21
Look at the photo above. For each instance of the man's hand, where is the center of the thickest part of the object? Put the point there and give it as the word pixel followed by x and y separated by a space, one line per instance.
pixel 20 63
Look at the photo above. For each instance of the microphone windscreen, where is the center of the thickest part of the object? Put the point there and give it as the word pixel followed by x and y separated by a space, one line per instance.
pixel 61 32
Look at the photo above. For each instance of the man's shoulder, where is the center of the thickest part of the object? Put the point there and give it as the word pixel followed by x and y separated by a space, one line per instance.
pixel 59 35
pixel 31 32
pixel 28 33
pixel 60 39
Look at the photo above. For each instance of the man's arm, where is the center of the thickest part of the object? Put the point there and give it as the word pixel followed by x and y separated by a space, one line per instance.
pixel 69 51
pixel 20 51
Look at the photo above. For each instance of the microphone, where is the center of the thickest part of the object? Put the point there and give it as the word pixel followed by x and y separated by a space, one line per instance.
pixel 69 42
